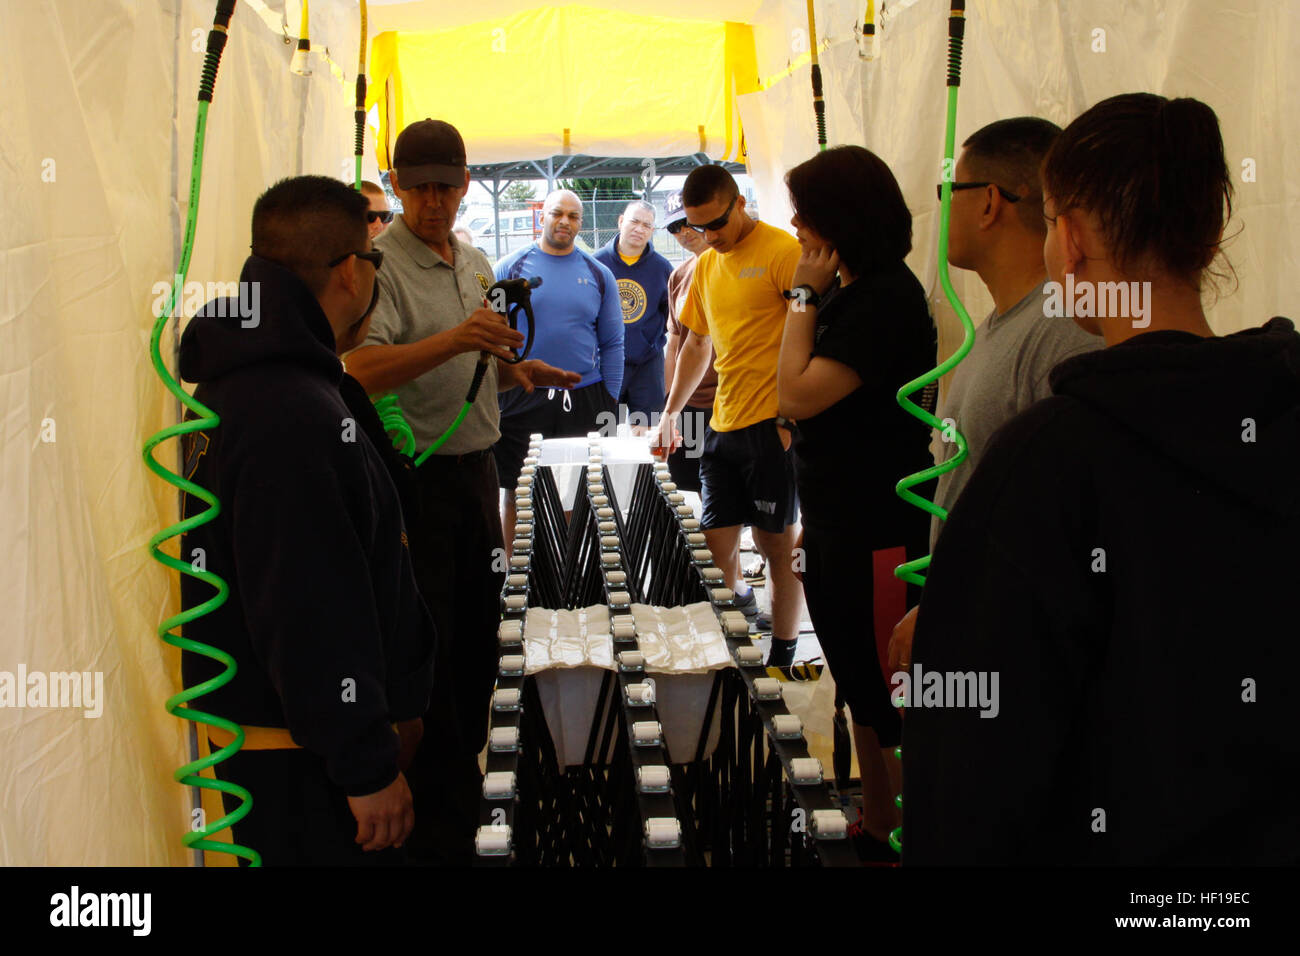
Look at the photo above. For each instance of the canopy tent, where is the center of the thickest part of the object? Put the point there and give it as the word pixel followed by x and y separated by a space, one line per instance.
pixel 96 138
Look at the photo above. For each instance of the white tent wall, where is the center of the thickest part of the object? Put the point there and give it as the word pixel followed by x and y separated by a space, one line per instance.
pixel 1032 57
pixel 96 134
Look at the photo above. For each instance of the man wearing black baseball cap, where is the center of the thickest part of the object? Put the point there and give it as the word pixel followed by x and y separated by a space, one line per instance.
pixel 428 328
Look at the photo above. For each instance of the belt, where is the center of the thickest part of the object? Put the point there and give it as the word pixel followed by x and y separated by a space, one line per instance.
pixel 466 459
pixel 257 738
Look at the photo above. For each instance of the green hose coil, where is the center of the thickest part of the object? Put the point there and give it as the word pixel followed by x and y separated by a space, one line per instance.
pixel 178 705
pixel 910 570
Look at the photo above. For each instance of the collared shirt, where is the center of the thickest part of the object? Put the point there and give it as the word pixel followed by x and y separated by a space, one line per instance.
pixel 421 294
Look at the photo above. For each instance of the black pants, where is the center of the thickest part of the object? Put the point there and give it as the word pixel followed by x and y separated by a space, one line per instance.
pixel 299 817
pixel 453 546
pixel 854 601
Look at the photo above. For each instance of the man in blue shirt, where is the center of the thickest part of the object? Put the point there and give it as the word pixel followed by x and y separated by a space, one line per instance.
pixel 642 276
pixel 579 327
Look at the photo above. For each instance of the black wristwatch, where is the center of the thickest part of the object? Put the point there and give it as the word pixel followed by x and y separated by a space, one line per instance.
pixel 805 294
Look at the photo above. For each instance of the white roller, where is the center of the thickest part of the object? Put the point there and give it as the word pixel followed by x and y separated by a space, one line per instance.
pixel 676 497
pixel 722 595
pixel 830 825
pixel 512 665
pixel 654 779
pixel 528 470
pixel 620 598
pixel 623 628
pixel 647 733
pixel 525 480
pixel 786 726
pixel 600 501
pixel 663 833
pixel 610 557
pixel 499 785
pixel 516 602
pixel 521 545
pixel 806 771
pixel 615 577
pixel 506 698
pixel 609 541
pixel 641 695
pixel 606 526
pixel 712 574
pixel 517 581
pixel 631 660
pixel 604 512
pixel 519 561
pixel 767 688
pixel 504 739
pixel 492 840
pixel 691 524
pixel 749 656
pixel 531 460
pixel 685 511
pixel 510 632
pixel 524 529
pixel 525 515
pixel 696 539
pixel 702 555
pixel 535 437
pixel 668 486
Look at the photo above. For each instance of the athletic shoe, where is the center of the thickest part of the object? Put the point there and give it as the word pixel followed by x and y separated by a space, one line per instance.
pixel 748 605
pixel 870 850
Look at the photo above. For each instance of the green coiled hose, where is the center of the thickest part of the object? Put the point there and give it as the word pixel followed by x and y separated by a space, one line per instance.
pixel 178 705
pixel 909 571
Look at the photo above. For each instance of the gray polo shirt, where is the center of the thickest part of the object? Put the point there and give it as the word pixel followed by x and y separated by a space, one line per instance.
pixel 421 294
pixel 1003 374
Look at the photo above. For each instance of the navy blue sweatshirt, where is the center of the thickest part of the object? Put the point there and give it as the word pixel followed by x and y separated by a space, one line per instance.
pixel 643 295
pixel 1124 558
pixel 324 619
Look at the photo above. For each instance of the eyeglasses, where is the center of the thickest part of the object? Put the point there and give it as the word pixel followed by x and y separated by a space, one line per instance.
pixel 379 215
pixel 375 257
pixel 675 227
pixel 1008 196
pixel 719 223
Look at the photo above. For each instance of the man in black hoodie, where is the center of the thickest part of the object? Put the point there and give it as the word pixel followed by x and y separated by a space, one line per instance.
pixel 333 644
pixel 1106 657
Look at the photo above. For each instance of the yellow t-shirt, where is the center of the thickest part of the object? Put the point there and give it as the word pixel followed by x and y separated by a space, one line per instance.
pixel 630 260
pixel 736 297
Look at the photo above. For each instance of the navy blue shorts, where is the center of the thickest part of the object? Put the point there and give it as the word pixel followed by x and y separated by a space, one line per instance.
pixel 747 478
pixel 643 386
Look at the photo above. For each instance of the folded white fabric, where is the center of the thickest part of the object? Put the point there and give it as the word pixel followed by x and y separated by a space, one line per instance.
pixel 674 640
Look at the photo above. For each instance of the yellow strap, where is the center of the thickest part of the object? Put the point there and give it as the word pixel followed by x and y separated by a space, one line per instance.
pixel 257 738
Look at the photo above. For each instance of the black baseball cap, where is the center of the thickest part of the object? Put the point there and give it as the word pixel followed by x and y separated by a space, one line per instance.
pixel 429 151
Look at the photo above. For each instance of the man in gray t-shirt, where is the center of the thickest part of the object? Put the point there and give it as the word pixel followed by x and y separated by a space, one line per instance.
pixel 1003 374
pixel 428 329
pixel 996 228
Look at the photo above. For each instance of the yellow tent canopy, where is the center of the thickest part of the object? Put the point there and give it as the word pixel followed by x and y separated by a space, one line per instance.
pixel 569 80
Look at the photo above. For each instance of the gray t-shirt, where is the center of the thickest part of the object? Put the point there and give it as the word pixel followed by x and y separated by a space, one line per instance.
pixel 421 294
pixel 1004 373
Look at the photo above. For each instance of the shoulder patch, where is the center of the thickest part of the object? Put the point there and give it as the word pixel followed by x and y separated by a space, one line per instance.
pixel 483 281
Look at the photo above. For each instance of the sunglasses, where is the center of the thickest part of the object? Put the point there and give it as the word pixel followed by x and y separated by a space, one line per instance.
pixel 719 223
pixel 1008 196
pixel 385 215
pixel 375 257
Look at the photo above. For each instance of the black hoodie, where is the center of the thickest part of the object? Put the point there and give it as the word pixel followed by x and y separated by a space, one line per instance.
pixel 324 620
pixel 1125 558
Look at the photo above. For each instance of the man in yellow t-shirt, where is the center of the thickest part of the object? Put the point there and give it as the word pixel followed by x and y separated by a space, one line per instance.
pixel 737 305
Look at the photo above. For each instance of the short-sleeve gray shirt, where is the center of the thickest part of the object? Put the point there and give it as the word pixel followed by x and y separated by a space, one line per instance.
pixel 421 294
pixel 1004 373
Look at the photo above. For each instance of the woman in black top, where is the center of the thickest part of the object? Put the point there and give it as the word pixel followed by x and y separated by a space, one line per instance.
pixel 849 344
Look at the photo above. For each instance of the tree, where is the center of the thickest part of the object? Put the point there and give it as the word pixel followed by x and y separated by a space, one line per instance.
pixel 518 193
